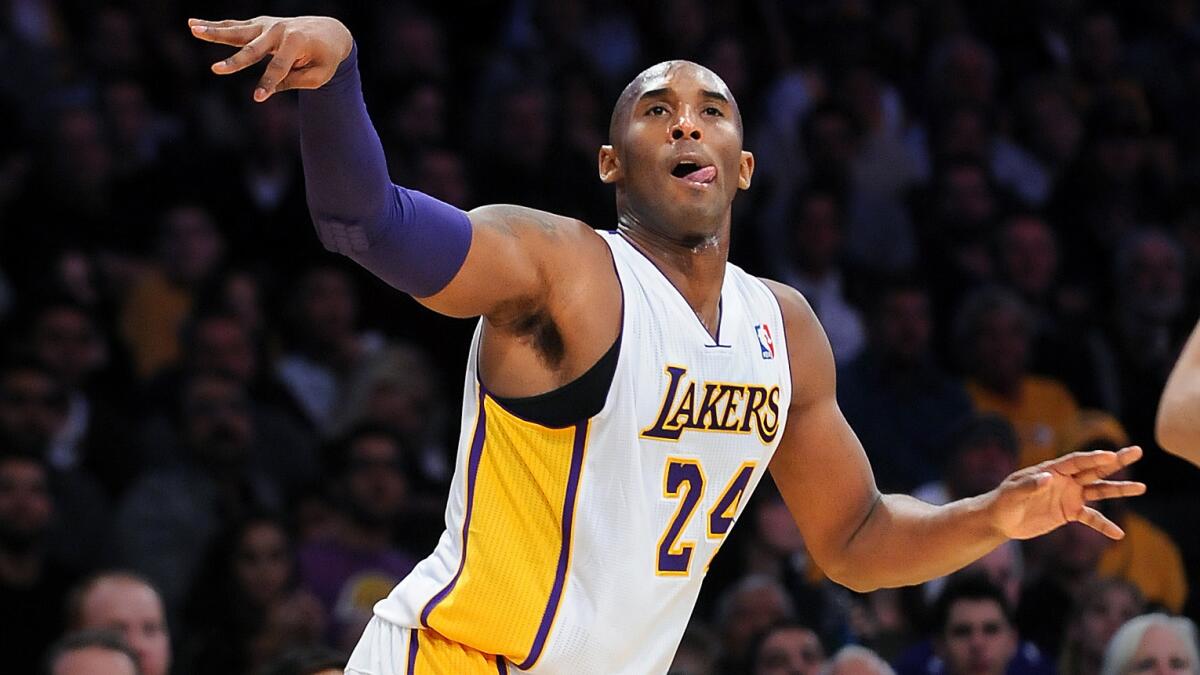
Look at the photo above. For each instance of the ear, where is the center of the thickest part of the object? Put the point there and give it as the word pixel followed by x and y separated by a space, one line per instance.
pixel 610 165
pixel 745 170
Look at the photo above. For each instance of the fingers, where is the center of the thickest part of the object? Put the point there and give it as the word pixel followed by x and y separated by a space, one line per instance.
pixel 1108 489
pixel 277 70
pixel 1125 457
pixel 1077 462
pixel 252 53
pixel 1096 520
pixel 234 33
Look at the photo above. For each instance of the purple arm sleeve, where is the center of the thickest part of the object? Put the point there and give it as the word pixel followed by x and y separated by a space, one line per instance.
pixel 410 240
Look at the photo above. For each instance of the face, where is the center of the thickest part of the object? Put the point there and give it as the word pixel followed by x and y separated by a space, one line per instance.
pixel 967 198
pixel 32 407
pixel 327 305
pixel 1001 568
pixel 977 640
pixel 818 233
pixel 262 563
pixel 1002 347
pixel 904 326
pixel 751 612
pixel 218 423
pixel 789 651
pixel 67 342
pixel 1161 652
pixel 1104 613
pixel 25 504
pixel 677 157
pixel 375 480
pixel 777 528
pixel 1029 256
pixel 94 661
pixel 223 346
pixel 134 610
pixel 191 245
pixel 1156 281
pixel 980 467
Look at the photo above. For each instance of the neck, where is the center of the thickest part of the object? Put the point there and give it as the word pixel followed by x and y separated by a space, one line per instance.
pixel 694 264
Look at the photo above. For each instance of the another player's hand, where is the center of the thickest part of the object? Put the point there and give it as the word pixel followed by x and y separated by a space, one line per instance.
pixel 305 50
pixel 1040 498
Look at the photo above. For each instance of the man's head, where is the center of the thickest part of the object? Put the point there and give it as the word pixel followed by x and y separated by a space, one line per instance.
pixel 974 629
pixel 817 221
pixel 983 452
pixel 994 330
pixel 1028 255
pixel 220 343
pixel 857 660
pixel 373 475
pixel 1101 608
pixel 325 307
pixel 127 604
pixel 64 336
pixel 787 648
pixel 33 405
pixel 26 504
pixel 1153 643
pixel 190 245
pixel 901 322
pixel 216 420
pixel 749 607
pixel 1151 284
pixel 675 152
pixel 92 652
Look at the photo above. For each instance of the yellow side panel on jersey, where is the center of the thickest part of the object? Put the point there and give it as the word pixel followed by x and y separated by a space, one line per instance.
pixel 522 484
pixel 432 654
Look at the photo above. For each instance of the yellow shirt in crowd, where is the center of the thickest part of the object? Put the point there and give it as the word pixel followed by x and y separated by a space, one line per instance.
pixel 1042 414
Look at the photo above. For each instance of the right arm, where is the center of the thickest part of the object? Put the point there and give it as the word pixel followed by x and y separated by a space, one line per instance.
pixel 1177 428
pixel 494 261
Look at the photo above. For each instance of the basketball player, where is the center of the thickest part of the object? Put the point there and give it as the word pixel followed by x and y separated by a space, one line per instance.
pixel 1178 425
pixel 625 391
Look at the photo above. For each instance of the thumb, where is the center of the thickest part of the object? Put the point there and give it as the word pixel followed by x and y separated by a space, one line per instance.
pixel 1030 483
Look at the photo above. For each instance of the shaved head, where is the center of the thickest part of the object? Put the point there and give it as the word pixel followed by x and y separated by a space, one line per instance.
pixel 646 82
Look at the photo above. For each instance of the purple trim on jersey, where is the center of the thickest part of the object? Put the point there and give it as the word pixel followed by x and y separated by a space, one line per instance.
pixel 720 301
pixel 472 472
pixel 412 652
pixel 564 555
pixel 500 666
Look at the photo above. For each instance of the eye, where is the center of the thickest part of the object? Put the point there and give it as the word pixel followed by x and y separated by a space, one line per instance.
pixel 713 110
pixel 656 110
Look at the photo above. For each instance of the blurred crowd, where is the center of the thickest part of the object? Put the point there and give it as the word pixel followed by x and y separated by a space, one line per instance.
pixel 225 443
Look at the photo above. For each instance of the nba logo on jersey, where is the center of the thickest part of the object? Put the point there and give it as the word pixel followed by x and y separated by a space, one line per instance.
pixel 765 343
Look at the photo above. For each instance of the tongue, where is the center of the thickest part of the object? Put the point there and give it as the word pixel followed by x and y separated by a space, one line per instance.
pixel 705 175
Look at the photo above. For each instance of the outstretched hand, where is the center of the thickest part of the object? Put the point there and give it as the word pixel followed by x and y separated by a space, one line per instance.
pixel 1040 498
pixel 305 50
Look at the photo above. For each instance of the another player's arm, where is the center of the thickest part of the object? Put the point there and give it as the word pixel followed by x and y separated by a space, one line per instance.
pixel 1178 425
pixel 494 261
pixel 867 540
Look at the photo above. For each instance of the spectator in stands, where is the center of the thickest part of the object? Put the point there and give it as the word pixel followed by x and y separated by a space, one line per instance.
pixel 246 608
pixel 310 661
pixel 898 400
pixel 1153 642
pixel 785 648
pixel 1102 607
pixel 856 660
pixel 973 628
pixel 993 331
pixel 172 514
pixel 361 563
pixel 33 411
pixel 1147 556
pixel 983 451
pixel 189 250
pixel 745 610
pixel 130 606
pixel 326 348
pixel 32 583
pixel 92 652
pixel 816 268
pixel 697 654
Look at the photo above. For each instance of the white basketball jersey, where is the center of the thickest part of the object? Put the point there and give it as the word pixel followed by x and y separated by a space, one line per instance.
pixel 581 549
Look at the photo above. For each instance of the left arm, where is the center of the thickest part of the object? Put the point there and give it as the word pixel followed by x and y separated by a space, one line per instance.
pixel 864 539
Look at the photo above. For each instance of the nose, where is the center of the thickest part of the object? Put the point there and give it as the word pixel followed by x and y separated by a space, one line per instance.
pixel 685 126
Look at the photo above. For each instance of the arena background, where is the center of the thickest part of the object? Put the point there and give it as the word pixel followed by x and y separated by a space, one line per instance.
pixel 977 197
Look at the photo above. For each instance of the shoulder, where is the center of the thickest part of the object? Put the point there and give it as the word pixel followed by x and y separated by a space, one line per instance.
pixel 809 354
pixel 1050 390
pixel 532 224
pixel 800 322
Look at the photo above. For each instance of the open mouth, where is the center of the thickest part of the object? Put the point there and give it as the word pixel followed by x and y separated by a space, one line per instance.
pixel 694 172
